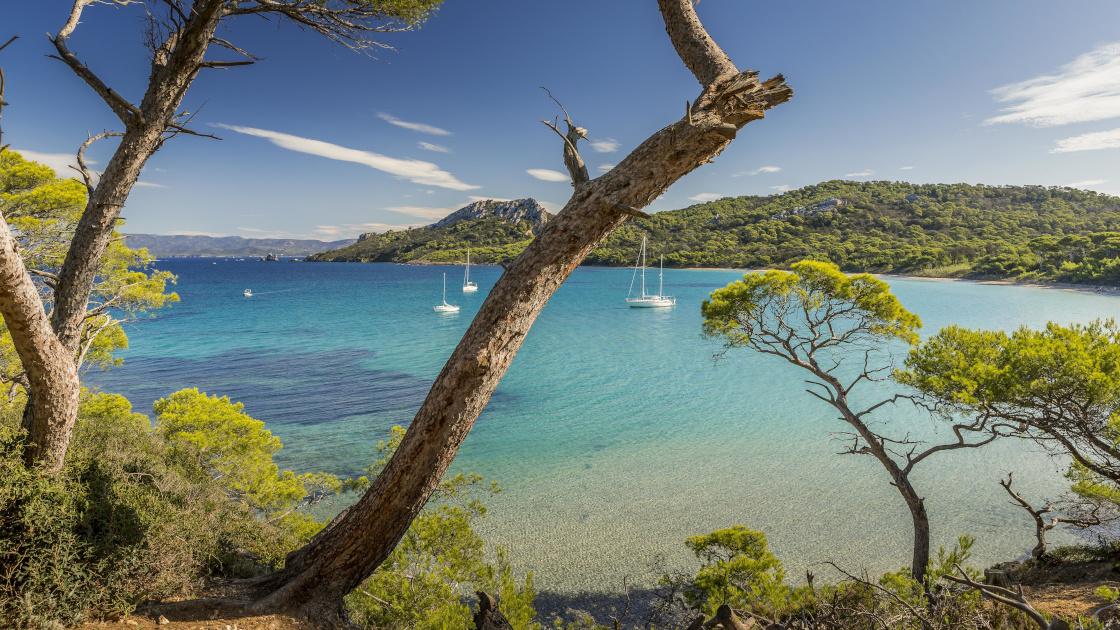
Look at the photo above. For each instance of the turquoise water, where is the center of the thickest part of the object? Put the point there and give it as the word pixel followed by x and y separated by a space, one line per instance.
pixel 614 435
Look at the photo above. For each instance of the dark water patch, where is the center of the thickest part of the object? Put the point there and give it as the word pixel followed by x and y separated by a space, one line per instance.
pixel 632 610
pixel 301 388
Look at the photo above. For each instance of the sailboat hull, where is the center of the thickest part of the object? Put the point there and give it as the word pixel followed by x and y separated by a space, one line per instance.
pixel 470 288
pixel 651 302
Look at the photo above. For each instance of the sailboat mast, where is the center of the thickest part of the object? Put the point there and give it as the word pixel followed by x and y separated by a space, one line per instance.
pixel 643 266
pixel 445 288
pixel 467 275
pixel 661 277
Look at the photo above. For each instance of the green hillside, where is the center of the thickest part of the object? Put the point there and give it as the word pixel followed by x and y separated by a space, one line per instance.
pixel 1024 232
pixel 491 240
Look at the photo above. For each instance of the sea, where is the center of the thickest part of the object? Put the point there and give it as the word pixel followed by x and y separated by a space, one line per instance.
pixel 615 434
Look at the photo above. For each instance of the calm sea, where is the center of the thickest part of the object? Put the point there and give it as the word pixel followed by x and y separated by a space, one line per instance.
pixel 614 435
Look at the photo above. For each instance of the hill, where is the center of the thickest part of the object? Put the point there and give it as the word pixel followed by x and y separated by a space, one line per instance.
pixel 955 230
pixel 167 245
pixel 495 231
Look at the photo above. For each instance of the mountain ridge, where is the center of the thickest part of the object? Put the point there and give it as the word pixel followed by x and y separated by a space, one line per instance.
pixel 169 245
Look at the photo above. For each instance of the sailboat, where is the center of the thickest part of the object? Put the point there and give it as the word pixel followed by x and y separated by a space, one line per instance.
pixel 644 300
pixel 468 286
pixel 445 307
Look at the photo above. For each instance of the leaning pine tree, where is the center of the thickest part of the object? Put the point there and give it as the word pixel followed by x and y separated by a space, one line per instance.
pixel 318 576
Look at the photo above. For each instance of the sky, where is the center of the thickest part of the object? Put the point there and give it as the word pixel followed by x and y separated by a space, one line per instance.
pixel 320 142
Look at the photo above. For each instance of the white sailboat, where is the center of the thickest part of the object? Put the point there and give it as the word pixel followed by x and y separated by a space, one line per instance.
pixel 644 300
pixel 445 307
pixel 468 286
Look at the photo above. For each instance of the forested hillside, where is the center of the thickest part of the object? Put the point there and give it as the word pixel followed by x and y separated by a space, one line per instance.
pixel 1048 233
pixel 1026 232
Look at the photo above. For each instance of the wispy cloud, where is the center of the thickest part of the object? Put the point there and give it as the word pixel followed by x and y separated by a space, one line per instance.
pixel 416 171
pixel 781 188
pixel 863 173
pixel 606 145
pixel 352 230
pixel 606 167
pixel 1089 183
pixel 473 198
pixel 59 162
pixel 906 168
pixel 706 197
pixel 421 212
pixel 761 169
pixel 551 207
pixel 421 127
pixel 1088 88
pixel 428 146
pixel 547 175
pixel 1089 142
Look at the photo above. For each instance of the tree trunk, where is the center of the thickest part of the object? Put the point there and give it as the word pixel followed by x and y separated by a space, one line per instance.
pixel 175 64
pixel 50 367
pixel 317 577
pixel 919 562
pixel 52 399
pixel 900 479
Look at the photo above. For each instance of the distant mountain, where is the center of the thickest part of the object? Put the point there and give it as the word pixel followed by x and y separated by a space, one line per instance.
pixel 494 231
pixel 190 245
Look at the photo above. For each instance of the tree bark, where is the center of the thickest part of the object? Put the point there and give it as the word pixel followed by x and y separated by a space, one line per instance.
pixel 316 578
pixel 51 371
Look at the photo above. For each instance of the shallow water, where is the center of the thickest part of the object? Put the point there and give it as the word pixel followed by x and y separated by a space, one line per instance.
pixel 614 435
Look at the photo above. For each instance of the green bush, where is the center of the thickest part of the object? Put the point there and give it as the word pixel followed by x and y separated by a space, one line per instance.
pixel 126 519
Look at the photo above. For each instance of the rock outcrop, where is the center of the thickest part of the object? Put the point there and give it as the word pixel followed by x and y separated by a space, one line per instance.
pixel 511 211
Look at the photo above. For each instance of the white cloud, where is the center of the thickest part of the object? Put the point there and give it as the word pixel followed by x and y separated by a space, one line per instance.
pixel 547 175
pixel 906 168
pixel 761 169
pixel 606 145
pixel 473 198
pixel 1088 88
pixel 864 173
pixel 781 188
pixel 706 197
pixel 1089 142
pixel 421 127
pixel 416 171
pixel 553 208
pixel 1089 183
pixel 421 212
pixel 248 229
pixel 59 162
pixel 606 167
pixel 428 146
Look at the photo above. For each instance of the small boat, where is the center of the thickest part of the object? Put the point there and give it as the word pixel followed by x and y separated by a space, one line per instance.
pixel 644 300
pixel 445 307
pixel 248 293
pixel 468 286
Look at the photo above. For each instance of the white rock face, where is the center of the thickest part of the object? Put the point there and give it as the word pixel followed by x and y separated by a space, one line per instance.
pixel 511 211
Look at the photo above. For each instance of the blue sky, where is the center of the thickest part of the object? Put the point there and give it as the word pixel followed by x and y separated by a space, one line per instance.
pixel 319 142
